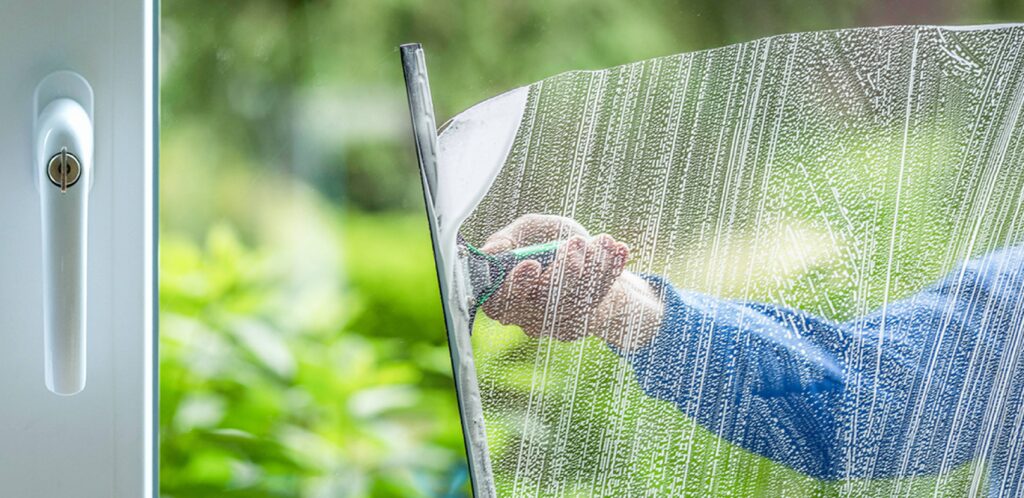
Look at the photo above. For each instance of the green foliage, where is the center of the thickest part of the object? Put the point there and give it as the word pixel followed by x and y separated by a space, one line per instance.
pixel 256 402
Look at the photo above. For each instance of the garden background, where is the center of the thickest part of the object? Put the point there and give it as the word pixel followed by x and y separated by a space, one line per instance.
pixel 302 348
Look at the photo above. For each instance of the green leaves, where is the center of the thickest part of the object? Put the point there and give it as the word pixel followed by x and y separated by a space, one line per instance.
pixel 348 397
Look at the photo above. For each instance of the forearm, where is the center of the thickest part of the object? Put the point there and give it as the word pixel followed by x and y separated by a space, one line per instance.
pixel 744 374
pixel 631 315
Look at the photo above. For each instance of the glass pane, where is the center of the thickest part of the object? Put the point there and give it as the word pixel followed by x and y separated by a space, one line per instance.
pixel 302 350
pixel 810 283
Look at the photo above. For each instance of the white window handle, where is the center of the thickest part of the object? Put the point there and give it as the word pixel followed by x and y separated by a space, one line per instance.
pixel 63 155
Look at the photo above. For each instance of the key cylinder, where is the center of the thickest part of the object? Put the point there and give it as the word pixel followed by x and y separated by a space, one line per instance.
pixel 64 169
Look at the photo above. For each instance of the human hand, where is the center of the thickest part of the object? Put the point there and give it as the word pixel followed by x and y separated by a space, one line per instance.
pixel 531 229
pixel 562 300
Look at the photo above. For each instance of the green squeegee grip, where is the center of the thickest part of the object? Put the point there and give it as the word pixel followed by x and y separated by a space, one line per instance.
pixel 524 253
pixel 542 253
pixel 529 252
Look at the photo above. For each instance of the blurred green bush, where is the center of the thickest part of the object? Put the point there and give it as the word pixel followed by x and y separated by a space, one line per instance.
pixel 352 397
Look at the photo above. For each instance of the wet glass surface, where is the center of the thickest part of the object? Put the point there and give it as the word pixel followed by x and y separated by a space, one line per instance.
pixel 809 283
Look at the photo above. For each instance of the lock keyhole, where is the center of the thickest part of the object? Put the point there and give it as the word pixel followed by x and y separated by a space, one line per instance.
pixel 64 169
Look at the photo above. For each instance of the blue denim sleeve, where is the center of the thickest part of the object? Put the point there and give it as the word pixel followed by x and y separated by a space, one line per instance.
pixel 748 373
pixel 792 387
pixel 941 352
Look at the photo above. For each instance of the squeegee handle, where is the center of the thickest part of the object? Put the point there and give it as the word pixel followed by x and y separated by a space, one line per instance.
pixel 504 262
pixel 542 253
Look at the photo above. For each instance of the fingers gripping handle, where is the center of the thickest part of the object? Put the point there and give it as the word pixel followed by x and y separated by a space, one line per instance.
pixel 63 169
pixel 490 270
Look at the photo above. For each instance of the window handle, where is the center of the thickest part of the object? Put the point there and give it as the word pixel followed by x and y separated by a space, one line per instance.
pixel 63 155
